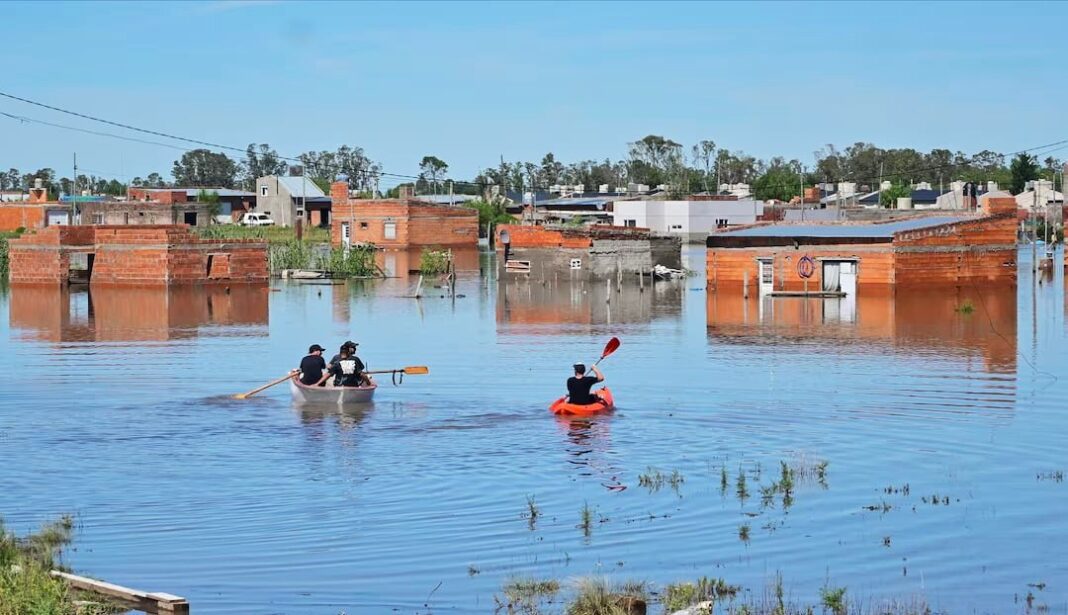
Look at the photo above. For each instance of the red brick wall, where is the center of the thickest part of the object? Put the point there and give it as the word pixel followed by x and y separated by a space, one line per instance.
pixel 541 237
pixel 25 216
pixel 979 251
pixel 137 254
pixel 416 224
pixel 431 225
pixel 727 267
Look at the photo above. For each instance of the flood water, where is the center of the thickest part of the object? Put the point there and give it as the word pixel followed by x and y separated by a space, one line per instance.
pixel 117 410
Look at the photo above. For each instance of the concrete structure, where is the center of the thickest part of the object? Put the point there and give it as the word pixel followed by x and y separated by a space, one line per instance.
pixel 13 196
pixel 232 203
pixel 35 212
pixel 1039 195
pixel 930 250
pixel 400 224
pixel 583 252
pixel 134 255
pixel 289 198
pixel 115 213
pixel 691 220
pixel 955 198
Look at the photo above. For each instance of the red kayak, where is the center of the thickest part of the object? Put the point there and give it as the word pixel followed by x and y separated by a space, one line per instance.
pixel 604 403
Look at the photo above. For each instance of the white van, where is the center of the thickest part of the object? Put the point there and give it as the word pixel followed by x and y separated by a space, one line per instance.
pixel 255 219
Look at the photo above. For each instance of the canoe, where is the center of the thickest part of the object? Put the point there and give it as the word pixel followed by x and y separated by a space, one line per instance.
pixel 604 404
pixel 329 394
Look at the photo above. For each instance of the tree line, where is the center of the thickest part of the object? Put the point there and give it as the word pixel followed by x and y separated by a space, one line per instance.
pixel 653 160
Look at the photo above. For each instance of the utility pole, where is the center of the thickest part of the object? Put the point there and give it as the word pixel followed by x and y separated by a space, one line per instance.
pixel 74 192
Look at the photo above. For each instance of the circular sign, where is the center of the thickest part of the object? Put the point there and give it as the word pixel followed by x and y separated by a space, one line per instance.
pixel 806 267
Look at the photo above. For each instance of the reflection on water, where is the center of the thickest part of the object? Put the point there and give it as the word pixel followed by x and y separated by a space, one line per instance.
pixel 965 322
pixel 404 263
pixel 115 314
pixel 523 303
pixel 254 506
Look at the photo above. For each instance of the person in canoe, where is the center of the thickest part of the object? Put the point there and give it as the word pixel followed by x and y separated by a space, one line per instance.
pixel 351 345
pixel 579 385
pixel 347 368
pixel 313 367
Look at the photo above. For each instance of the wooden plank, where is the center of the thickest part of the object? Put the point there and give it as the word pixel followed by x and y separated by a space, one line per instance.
pixel 149 602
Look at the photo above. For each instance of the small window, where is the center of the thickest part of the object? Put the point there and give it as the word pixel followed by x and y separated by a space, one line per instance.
pixel 390 230
pixel 630 223
pixel 363 225
pixel 721 222
pixel 98 218
pixel 676 227
pixel 263 190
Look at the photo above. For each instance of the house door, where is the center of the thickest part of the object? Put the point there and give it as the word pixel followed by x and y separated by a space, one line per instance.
pixel 841 277
pixel 346 234
pixel 767 277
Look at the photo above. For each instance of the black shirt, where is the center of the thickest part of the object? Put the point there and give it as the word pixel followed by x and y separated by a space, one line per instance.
pixel 578 390
pixel 311 368
pixel 346 372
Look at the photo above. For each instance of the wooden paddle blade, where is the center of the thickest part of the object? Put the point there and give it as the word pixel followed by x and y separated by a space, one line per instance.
pixel 416 370
pixel 266 386
pixel 610 347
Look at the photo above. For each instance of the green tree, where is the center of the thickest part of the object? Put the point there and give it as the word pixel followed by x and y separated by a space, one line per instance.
pixel 202 167
pixel 781 180
pixel 551 170
pixel 900 189
pixel 211 199
pixel 1024 168
pixel 261 161
pixel 704 153
pixel 155 180
pixel 431 170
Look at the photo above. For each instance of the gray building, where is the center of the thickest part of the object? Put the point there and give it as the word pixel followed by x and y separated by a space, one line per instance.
pixel 287 198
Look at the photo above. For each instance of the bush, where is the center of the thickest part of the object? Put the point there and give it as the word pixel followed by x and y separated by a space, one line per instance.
pixel 26 585
pixel 4 258
pixel 357 261
pixel 432 262
pixel 292 254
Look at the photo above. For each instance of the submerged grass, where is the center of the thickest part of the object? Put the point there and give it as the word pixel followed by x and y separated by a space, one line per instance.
pixel 586 522
pixel 271 234
pixel 653 479
pixel 596 596
pixel 679 596
pixel 532 512
pixel 26 585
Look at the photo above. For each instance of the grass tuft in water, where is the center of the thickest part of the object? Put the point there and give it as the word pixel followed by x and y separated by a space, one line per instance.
pixel 679 596
pixel 743 533
pixel 740 486
pixel 966 307
pixel 532 512
pixel 526 596
pixel 723 480
pixel 833 599
pixel 1056 476
pixel 586 522
pixel 594 596
pixel 26 585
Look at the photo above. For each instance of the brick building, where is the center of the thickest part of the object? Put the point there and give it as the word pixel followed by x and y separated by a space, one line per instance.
pixel 232 203
pixel 34 212
pixel 134 255
pixel 846 258
pixel 396 224
pixel 139 212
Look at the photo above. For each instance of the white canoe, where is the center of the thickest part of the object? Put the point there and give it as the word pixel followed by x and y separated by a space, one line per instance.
pixel 304 394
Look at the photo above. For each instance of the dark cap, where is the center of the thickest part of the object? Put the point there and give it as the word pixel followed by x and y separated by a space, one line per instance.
pixel 579 367
pixel 315 348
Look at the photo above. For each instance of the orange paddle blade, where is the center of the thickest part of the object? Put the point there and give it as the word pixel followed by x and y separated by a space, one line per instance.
pixel 610 347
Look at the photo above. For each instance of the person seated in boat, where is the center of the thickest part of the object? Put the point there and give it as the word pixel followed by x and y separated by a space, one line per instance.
pixel 347 369
pixel 337 357
pixel 313 367
pixel 579 385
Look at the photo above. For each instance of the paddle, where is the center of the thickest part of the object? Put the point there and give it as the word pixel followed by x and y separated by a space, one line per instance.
pixel 266 386
pixel 609 348
pixel 411 370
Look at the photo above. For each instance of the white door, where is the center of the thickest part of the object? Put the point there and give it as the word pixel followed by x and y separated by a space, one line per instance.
pixel 767 277
pixel 58 218
pixel 346 234
pixel 847 272
pixel 390 230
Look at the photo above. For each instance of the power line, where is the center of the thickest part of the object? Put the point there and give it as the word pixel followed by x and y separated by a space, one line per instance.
pixel 381 173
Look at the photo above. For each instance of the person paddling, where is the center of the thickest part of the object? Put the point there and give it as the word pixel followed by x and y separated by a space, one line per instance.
pixel 579 385
pixel 313 367
pixel 350 345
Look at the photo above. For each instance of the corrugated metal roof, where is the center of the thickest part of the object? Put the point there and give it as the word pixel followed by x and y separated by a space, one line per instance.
pixel 445 199
pixel 884 230
pixel 196 191
pixel 300 186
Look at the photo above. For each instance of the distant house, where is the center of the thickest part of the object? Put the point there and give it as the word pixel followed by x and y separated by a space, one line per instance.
pixel 232 203
pixel 287 198
pixel 101 212
pixel 400 223
pixel 13 196
pixel 34 212
pixel 691 220
pixel 597 208
pixel 1039 194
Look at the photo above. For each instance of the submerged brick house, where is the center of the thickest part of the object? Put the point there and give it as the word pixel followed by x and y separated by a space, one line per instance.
pixel 594 251
pixel 148 255
pixel 400 223
pixel 846 258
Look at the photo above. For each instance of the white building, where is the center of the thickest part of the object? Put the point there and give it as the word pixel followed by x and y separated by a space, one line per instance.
pixel 693 220
pixel 954 199
pixel 742 191
pixel 1039 194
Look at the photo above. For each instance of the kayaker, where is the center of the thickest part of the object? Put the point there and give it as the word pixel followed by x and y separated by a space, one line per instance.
pixel 313 367
pixel 579 385
pixel 346 369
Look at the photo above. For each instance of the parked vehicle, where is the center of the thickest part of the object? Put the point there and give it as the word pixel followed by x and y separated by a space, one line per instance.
pixel 255 219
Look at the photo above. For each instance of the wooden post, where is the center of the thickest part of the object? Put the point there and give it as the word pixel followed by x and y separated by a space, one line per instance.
pixel 150 602
pixel 745 285
pixel 608 290
pixel 641 280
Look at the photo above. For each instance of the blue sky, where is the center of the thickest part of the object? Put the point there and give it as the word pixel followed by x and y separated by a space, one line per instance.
pixel 473 81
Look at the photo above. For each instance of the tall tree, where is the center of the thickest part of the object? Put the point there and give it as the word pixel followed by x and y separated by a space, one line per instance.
pixel 205 168
pixel 654 160
pixel 155 180
pixel 551 170
pixel 1023 169
pixel 704 153
pixel 261 161
pixel 431 170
